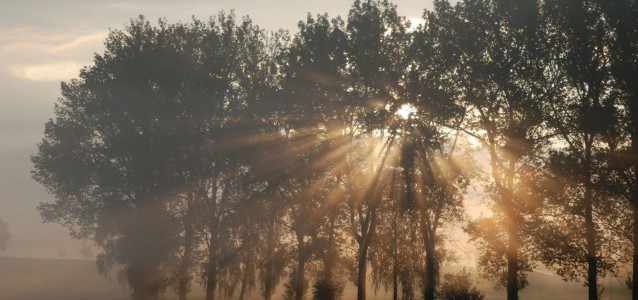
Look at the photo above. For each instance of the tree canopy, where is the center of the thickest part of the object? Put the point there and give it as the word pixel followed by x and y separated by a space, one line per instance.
pixel 216 153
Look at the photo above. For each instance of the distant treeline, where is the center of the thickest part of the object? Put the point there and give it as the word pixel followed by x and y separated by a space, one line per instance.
pixel 216 153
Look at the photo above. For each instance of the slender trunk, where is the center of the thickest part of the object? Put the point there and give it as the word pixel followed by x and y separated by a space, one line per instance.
pixel 211 280
pixel 367 233
pixel 330 259
pixel 301 265
pixel 395 285
pixel 429 281
pixel 512 264
pixel 634 197
pixel 363 270
pixel 143 272
pixel 269 287
pixel 506 192
pixel 330 252
pixel 184 276
pixel 430 269
pixel 244 283
pixel 590 232
pixel 512 232
pixel 395 267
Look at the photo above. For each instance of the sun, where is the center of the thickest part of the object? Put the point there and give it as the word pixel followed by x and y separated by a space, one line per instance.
pixel 406 110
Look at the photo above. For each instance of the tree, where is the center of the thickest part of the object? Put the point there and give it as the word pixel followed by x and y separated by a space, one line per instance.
pixel 504 79
pixel 127 137
pixel 5 236
pixel 585 118
pixel 621 17
pixel 435 173
pixel 397 258
pixel 375 35
pixel 217 152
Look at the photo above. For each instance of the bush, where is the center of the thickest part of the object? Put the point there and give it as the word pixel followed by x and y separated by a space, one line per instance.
pixel 459 287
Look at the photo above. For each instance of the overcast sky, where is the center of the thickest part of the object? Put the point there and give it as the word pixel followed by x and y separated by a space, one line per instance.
pixel 43 42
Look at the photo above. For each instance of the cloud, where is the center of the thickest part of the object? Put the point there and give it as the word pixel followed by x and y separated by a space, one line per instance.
pixel 45 55
pixel 41 40
pixel 54 71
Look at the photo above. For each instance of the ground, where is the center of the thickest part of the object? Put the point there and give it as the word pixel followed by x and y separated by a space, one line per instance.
pixel 71 279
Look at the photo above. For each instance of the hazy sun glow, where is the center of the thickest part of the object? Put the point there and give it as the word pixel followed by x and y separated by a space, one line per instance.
pixel 406 110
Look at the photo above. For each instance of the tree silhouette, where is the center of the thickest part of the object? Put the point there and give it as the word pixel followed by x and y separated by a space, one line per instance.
pixel 584 117
pixel 503 74
pixel 374 32
pixel 621 16
pixel 140 121
pixel 215 152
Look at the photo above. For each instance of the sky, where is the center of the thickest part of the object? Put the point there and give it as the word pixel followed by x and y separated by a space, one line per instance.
pixel 44 42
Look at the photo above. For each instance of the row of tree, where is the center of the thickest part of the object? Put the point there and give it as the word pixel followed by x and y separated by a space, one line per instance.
pixel 218 153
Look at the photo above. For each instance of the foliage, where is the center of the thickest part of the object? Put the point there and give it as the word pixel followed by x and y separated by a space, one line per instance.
pixel 459 287
pixel 215 152
pixel 327 290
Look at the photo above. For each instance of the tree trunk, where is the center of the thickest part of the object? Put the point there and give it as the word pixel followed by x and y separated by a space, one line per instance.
pixel 184 275
pixel 395 267
pixel 395 285
pixel 590 232
pixel 330 252
pixel 269 287
pixel 512 263
pixel 512 232
pixel 144 270
pixel 211 280
pixel 363 270
pixel 429 281
pixel 367 233
pixel 301 265
pixel 634 198
pixel 244 283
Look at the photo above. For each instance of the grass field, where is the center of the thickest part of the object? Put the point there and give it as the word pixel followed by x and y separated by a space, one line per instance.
pixel 70 279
